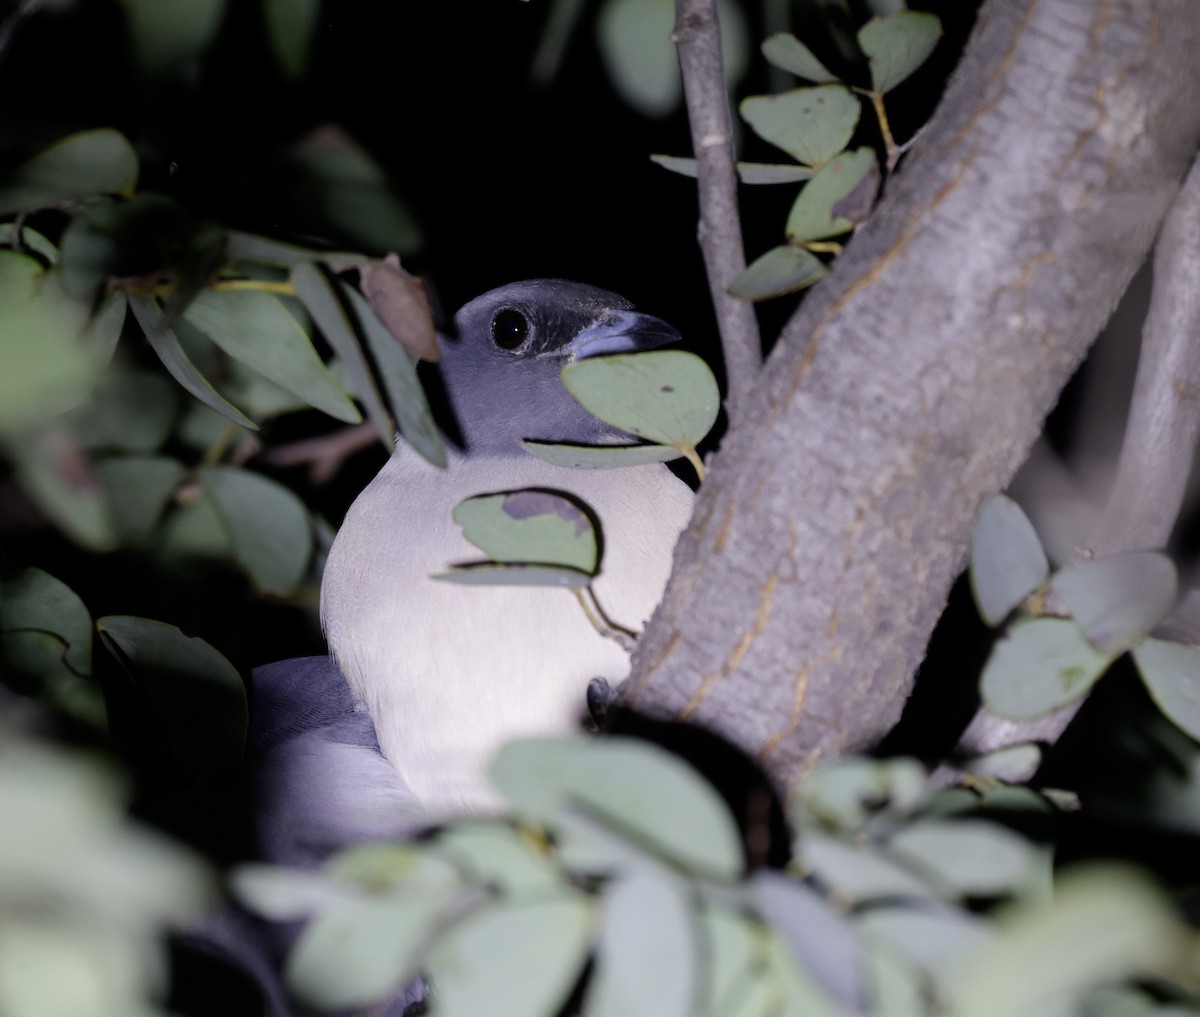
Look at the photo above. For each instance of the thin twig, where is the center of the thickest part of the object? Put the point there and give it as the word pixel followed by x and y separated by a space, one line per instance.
pixel 697 37
pixel 324 455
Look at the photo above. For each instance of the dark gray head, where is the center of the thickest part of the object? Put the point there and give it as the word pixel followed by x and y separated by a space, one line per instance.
pixel 502 369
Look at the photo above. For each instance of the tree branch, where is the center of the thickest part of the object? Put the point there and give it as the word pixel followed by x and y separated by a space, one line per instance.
pixel 698 38
pixel 912 382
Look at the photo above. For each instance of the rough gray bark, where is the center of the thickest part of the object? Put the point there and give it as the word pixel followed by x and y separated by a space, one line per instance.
pixel 909 385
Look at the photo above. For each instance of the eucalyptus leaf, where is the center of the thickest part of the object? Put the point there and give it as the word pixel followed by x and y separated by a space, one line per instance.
pixel 1040 665
pixel 1118 600
pixel 254 327
pixel 1007 559
pixel 36 601
pixel 194 530
pixel 599 457
pixel 665 396
pixel 897 44
pixel 836 199
pixel 515 958
pixel 1171 672
pixel 285 894
pixel 139 488
pixel 131 410
pixel 1013 763
pixel 811 124
pixel 498 855
pixel 897 987
pixel 267 524
pixel 647 953
pixel 748 172
pixel 858 872
pixel 786 51
pixel 252 248
pixel 496 574
pixel 197 693
pixel 165 343
pixel 291 27
pixel 531 527
pixel 641 791
pixel 934 937
pixel 731 944
pixel 168 37
pixel 78 166
pixel 968 857
pixel 842 796
pixel 784 269
pixel 20 237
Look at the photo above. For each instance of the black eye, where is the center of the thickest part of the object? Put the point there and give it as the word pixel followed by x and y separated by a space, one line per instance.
pixel 509 329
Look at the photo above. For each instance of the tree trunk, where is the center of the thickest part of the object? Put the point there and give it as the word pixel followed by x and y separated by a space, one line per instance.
pixel 910 384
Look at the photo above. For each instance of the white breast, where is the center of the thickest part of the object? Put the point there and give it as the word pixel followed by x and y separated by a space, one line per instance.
pixel 450 672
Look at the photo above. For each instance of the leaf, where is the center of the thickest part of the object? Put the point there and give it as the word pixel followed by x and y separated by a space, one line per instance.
pixel 1007 560
pixel 897 44
pixel 131 410
pixel 842 796
pixel 811 124
pixel 168 37
pixel 264 250
pixel 36 601
pixel 321 301
pixel 291 27
pixel 267 524
pixel 401 303
pixel 78 166
pixel 139 488
pixel 784 50
pixel 748 172
pixel 1104 923
pixel 255 328
pixel 197 693
pixel 821 939
pixel 1119 599
pixel 934 937
pixel 857 872
pixel 836 198
pixel 164 343
pixel 968 857
pixel 642 791
pixel 531 527
pixel 1171 672
pixel 398 370
pixel 18 236
pixel 515 958
pixel 1014 763
pixel 494 854
pixel 284 894
pixel 599 457
pixel 666 396
pixel 647 954
pixel 1040 665
pixel 730 944
pixel 493 574
pixel 783 269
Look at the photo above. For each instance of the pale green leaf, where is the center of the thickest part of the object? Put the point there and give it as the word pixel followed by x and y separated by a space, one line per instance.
pixel 1171 672
pixel 291 26
pixel 843 795
pixel 531 527
pixel 264 250
pixel 967 857
pixel 494 574
pixel 897 44
pixel 1119 599
pixel 78 166
pixel 20 237
pixel 933 937
pixel 858 872
pixel 836 199
pixel 138 489
pixel 1040 665
pixel 748 172
pixel 131 410
pixel 731 943
pixel 784 269
pixel 498 855
pixel 286 894
pixel 1014 763
pixel 600 457
pixel 1007 560
pixel 784 50
pixel 267 524
pixel 811 124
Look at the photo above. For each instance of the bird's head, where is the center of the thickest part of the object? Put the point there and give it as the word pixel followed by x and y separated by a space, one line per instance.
pixel 502 366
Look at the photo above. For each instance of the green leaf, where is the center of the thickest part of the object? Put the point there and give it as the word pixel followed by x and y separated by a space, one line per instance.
pixel 730 943
pixel 1007 560
pixel 37 601
pixel 197 693
pixel 168 37
pixel 164 343
pixel 398 371
pixel 78 166
pixel 783 269
pixel 263 250
pixel 666 396
pixel 267 524
pixel 599 457
pixel 647 954
pixel 1103 924
pixel 320 299
pixel 811 124
pixel 515 958
pixel 1119 599
pixel 842 796
pixel 858 872
pixel 18 236
pixel 748 172
pixel 131 410
pixel 497 855
pixel 897 44
pixel 493 574
pixel 531 527
pixel 1171 672
pixel 194 531
pixel 968 857
pixel 932 937
pixel 255 328
pixel 1014 763
pixel 836 199
pixel 784 50
pixel 285 894
pixel 54 471
pixel 138 489
pixel 291 26
pixel 642 791
pixel 897 988
pixel 1040 665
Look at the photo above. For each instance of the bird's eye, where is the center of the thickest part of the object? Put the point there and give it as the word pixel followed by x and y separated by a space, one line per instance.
pixel 509 329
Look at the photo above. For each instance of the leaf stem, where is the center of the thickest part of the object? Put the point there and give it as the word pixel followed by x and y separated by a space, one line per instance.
pixel 693 457
pixel 893 150
pixel 623 637
pixel 263 285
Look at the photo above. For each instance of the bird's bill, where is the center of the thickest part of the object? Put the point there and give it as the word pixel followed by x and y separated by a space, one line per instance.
pixel 622 332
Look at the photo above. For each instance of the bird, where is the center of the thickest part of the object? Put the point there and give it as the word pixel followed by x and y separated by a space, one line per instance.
pixel 447 673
